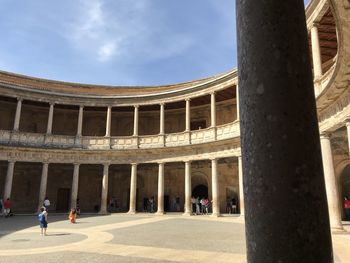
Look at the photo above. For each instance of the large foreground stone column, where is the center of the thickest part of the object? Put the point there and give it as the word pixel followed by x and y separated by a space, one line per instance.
pixel 104 190
pixel 188 189
pixel 160 210
pixel 331 184
pixel 133 186
pixel 43 185
pixel 8 180
pixel 284 191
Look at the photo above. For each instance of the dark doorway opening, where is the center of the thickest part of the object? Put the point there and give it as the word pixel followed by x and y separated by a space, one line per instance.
pixel 200 191
pixel 62 200
pixel 166 203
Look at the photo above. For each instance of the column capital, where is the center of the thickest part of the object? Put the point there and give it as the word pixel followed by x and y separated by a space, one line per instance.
pixel 81 106
pixel 19 99
pixel 316 24
pixel 52 103
pixel 162 104
pixel 161 163
pixel 136 106
pixel 11 161
pixel 347 122
pixel 187 99
pixel 325 135
pixel 212 92
pixel 188 161
pixel 45 162
pixel 76 164
pixel 213 159
pixel 133 164
pixel 106 164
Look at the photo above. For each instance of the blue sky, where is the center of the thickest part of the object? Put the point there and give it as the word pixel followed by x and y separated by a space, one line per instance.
pixel 118 42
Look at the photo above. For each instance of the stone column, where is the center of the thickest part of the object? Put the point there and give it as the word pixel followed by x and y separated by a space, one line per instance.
pixel 316 52
pixel 108 121
pixel 215 188
pixel 188 115
pixel 285 199
pixel 50 119
pixel 75 184
pixel 136 120
pixel 237 101
pixel 18 115
pixel 348 132
pixel 188 189
pixel 104 191
pixel 160 210
pixel 80 121
pixel 133 187
pixel 43 184
pixel 240 181
pixel 162 119
pixel 213 109
pixel 331 184
pixel 8 180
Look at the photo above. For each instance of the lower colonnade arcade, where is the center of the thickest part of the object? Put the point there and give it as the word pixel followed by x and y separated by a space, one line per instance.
pixel 111 187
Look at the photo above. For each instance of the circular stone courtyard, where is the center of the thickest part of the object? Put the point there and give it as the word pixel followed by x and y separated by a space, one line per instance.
pixel 132 238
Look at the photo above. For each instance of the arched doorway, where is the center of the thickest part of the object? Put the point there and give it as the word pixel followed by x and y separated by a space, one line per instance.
pixel 200 191
pixel 345 185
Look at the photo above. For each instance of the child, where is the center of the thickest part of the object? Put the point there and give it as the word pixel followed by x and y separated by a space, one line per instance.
pixel 72 215
pixel 43 220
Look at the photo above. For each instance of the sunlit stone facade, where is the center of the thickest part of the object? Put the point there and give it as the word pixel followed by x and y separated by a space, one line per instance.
pixel 95 143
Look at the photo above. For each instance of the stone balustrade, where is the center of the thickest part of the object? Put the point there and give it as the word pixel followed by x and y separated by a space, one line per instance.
pixel 36 140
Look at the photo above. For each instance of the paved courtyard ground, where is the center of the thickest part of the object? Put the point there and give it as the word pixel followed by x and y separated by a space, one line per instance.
pixel 133 238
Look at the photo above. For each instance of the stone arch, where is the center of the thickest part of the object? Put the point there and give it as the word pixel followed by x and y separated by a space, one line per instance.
pixel 343 176
pixel 200 184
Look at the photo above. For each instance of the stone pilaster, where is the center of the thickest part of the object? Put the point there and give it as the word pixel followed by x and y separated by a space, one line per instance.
pixel 8 180
pixel 75 184
pixel 50 119
pixel 17 115
pixel 162 119
pixel 80 121
pixel 188 115
pixel 160 210
pixel 108 121
pixel 104 190
pixel 316 52
pixel 348 133
pixel 136 120
pixel 213 109
pixel 43 184
pixel 188 189
pixel 331 184
pixel 133 186
pixel 215 188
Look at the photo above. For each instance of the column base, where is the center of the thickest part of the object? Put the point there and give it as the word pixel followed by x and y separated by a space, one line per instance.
pixel 131 212
pixel 187 214
pixel 338 229
pixel 215 215
pixel 103 213
pixel 160 213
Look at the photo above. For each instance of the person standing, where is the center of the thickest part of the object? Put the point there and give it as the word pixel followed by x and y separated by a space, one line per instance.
pixel 347 207
pixel 47 203
pixel 43 220
pixel 1 206
pixel 7 207
pixel 72 215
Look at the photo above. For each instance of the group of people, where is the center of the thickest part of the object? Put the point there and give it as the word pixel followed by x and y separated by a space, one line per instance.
pixel 43 215
pixel 149 204
pixel 231 205
pixel 5 207
pixel 200 206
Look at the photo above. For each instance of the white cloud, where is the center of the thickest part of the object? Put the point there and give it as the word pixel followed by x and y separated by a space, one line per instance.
pixel 106 51
pixel 109 30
